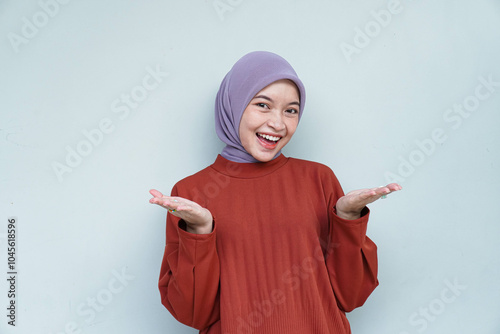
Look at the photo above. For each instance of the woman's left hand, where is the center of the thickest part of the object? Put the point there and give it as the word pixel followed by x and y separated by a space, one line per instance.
pixel 350 205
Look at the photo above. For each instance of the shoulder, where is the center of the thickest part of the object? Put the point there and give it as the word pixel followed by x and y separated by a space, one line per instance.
pixel 310 166
pixel 315 174
pixel 196 177
pixel 197 187
pixel 191 180
pixel 312 171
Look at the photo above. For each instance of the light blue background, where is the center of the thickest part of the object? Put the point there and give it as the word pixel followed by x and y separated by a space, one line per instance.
pixel 364 116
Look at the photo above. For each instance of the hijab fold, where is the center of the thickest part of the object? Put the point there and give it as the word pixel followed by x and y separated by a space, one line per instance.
pixel 248 76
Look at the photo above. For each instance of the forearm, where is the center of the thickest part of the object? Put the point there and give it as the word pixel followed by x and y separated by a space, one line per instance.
pixel 197 229
pixel 189 279
pixel 352 261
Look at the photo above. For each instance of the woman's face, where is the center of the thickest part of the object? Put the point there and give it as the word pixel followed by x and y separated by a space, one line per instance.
pixel 270 120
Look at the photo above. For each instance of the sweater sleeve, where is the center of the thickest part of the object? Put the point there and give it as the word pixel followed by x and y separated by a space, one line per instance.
pixel 351 256
pixel 189 275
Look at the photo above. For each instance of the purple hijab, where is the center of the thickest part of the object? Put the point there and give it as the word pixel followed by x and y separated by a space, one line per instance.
pixel 247 77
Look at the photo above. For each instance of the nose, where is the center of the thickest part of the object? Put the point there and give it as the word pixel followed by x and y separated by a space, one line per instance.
pixel 276 120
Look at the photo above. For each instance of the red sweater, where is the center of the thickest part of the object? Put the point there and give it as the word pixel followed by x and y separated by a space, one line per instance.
pixel 279 259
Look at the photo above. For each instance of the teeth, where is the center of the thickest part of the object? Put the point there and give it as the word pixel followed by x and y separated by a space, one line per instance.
pixel 268 137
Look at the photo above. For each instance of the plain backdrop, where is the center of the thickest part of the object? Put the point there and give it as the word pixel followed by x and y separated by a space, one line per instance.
pixel 103 100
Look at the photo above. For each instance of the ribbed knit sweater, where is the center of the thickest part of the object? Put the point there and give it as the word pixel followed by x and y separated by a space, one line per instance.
pixel 279 259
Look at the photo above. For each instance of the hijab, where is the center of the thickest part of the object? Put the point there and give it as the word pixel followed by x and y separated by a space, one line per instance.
pixel 248 76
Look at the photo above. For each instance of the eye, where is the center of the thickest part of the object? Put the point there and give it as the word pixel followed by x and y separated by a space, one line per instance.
pixel 292 111
pixel 262 105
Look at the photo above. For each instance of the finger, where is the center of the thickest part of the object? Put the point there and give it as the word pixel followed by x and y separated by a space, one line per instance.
pixel 394 187
pixel 159 201
pixel 165 202
pixel 357 192
pixel 367 196
pixel 172 204
pixel 155 193
pixel 367 193
pixel 376 191
pixel 384 191
pixel 171 201
pixel 391 188
pixel 156 200
pixel 180 210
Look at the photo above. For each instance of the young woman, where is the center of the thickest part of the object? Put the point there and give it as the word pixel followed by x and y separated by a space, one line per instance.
pixel 258 242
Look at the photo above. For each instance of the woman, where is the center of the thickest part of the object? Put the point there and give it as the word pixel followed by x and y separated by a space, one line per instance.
pixel 258 242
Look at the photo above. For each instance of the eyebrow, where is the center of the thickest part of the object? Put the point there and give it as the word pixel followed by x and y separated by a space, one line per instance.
pixel 271 100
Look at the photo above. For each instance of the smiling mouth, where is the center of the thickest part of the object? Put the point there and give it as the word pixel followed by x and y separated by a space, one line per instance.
pixel 268 141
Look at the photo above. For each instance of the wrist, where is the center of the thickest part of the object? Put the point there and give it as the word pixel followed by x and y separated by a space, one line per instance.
pixel 348 215
pixel 200 229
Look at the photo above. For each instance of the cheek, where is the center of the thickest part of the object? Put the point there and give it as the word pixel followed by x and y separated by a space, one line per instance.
pixel 249 123
pixel 243 135
pixel 246 132
pixel 292 126
pixel 243 129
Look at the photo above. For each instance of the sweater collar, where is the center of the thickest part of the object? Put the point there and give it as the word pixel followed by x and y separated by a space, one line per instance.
pixel 248 170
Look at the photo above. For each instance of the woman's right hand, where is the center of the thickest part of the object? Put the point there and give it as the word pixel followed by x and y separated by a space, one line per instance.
pixel 198 219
